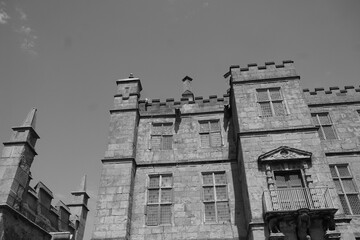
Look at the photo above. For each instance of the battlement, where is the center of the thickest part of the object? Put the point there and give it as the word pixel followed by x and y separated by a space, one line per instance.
pixel 37 207
pixel 269 71
pixel 335 95
pixel 198 105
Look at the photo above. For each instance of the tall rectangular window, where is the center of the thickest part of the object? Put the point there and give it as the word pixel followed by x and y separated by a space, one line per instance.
pixel 270 102
pixel 323 121
pixel 215 197
pixel 346 188
pixel 161 136
pixel 210 133
pixel 159 200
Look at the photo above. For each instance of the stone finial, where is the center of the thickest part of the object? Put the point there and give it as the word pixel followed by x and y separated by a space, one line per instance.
pixel 30 120
pixel 131 75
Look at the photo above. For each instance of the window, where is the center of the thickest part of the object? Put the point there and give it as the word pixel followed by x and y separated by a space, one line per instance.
pixel 345 186
pixel 271 102
pixel 161 136
pixel 159 200
pixel 210 133
pixel 215 197
pixel 323 121
pixel 290 190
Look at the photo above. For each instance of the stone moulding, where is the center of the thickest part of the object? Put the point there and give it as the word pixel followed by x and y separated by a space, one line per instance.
pixel 285 153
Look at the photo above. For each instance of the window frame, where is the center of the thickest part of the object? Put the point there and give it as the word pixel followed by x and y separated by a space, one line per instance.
pixel 321 131
pixel 215 200
pixel 162 134
pixel 159 203
pixel 271 102
pixel 348 209
pixel 210 132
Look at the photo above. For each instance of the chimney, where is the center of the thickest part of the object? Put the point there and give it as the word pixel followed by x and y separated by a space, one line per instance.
pixel 187 88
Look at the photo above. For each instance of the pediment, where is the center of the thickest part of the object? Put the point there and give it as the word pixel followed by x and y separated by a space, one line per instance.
pixel 285 153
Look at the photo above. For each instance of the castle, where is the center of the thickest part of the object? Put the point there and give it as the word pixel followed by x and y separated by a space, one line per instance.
pixel 267 160
pixel 27 213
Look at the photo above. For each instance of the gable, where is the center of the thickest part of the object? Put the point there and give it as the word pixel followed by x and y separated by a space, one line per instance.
pixel 285 153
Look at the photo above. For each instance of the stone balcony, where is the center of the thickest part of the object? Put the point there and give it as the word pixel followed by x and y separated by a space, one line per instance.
pixel 284 201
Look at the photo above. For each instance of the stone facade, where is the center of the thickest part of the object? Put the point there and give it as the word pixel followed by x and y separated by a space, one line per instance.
pixel 26 212
pixel 267 160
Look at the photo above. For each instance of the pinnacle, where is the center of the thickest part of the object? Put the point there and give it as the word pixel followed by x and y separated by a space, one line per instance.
pixel 30 120
pixel 82 187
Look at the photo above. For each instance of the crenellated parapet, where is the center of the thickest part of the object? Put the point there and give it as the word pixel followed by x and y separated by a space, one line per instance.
pixel 332 96
pixel 268 71
pixel 186 106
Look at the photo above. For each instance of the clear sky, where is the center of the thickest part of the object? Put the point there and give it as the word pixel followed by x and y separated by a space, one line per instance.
pixel 63 57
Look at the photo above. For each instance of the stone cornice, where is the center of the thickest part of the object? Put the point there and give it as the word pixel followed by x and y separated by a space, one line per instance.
pixel 124 110
pixel 239 82
pixel 283 130
pixel 332 103
pixel 342 153
pixel 21 142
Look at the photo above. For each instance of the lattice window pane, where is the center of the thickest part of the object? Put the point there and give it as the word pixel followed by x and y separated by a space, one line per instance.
pixel 265 109
pixel 315 119
pixel 208 193
pixel 210 212
pixel 338 186
pixel 324 119
pixel 348 185
pixel 156 142
pixel 205 140
pixel 154 181
pixel 344 204
pixel 220 178
pixel 167 142
pixel 165 214
pixel 280 181
pixel 215 138
pixel 152 215
pixel 275 94
pixel 167 128
pixel 329 132
pixel 262 95
pixel 153 196
pixel 279 108
pixel 321 135
pixel 354 203
pixel 221 193
pixel 166 195
pixel 333 171
pixel 295 180
pixel 223 212
pixel 344 171
pixel 204 126
pixel 214 125
pixel 207 179
pixel 166 181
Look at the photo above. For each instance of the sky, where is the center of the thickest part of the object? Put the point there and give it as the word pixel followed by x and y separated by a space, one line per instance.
pixel 63 57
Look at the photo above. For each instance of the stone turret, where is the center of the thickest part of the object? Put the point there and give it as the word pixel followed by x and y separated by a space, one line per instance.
pixel 17 157
pixel 78 208
pixel 117 178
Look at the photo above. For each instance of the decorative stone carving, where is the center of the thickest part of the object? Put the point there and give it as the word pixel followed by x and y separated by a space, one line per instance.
pixel 285 153
pixel 303 224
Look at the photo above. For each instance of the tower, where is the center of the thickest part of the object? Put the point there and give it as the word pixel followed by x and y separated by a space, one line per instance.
pixel 79 209
pixel 17 157
pixel 113 213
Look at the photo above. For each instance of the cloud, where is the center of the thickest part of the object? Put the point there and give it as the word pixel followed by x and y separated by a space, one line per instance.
pixel 29 39
pixel 4 17
pixel 22 14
